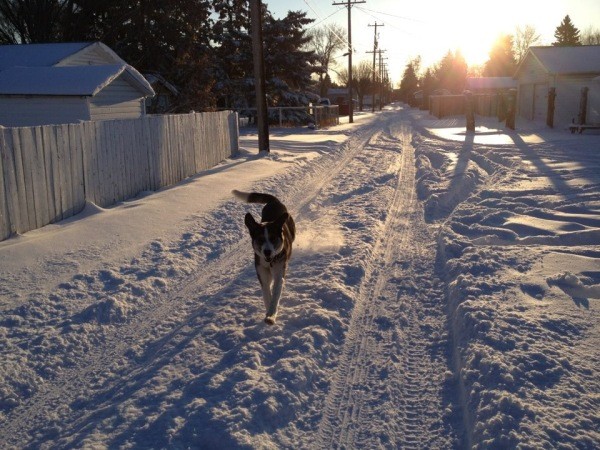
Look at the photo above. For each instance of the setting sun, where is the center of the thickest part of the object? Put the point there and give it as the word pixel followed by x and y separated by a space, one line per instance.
pixel 431 29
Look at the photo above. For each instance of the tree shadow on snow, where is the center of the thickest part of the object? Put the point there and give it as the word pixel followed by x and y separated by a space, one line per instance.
pixel 186 388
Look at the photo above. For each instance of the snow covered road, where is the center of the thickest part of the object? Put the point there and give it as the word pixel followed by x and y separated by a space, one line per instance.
pixel 140 326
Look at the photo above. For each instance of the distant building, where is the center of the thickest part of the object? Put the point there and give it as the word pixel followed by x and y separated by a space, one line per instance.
pixel 165 97
pixel 490 85
pixel 42 84
pixel 566 69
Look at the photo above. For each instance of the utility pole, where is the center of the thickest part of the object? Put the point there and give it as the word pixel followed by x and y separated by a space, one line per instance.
pixel 374 55
pixel 259 75
pixel 349 4
pixel 381 84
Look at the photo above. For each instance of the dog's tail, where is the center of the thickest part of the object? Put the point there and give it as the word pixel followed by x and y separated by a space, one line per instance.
pixel 255 197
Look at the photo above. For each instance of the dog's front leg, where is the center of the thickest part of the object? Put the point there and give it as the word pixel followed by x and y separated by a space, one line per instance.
pixel 278 284
pixel 265 279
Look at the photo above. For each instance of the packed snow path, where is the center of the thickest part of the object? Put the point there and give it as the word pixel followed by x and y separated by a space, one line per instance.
pixel 387 389
pixel 168 349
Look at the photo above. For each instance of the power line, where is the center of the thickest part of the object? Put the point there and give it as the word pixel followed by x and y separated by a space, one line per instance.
pixel 375 44
pixel 392 15
pixel 349 4
pixel 366 11
pixel 324 19
pixel 342 38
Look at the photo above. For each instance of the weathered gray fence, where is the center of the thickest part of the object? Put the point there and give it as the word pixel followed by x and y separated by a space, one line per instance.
pixel 48 172
pixel 453 105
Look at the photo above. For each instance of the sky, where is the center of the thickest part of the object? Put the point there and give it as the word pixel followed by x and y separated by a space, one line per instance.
pixel 430 29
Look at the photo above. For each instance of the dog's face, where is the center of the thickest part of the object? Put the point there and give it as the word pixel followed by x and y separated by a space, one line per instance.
pixel 267 238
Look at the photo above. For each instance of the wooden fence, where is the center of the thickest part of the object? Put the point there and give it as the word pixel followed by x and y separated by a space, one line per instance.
pixel 320 116
pixel 453 105
pixel 47 173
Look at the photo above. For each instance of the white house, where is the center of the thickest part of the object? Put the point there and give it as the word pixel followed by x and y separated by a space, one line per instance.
pixel 42 84
pixel 567 70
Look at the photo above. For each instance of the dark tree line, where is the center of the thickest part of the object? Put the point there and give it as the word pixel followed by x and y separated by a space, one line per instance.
pixel 201 46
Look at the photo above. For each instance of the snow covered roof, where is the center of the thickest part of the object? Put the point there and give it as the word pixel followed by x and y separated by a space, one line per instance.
pixel 38 55
pixel 68 80
pixel 156 78
pixel 581 59
pixel 491 83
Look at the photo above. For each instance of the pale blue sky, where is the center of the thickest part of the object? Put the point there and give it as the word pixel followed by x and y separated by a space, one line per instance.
pixel 431 28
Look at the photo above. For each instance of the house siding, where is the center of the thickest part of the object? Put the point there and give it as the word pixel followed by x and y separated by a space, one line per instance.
pixel 92 55
pixel 21 111
pixel 119 100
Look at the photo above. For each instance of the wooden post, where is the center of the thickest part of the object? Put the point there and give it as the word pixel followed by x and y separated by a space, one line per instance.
pixel 348 4
pixel 259 75
pixel 550 112
pixel 469 112
pixel 582 117
pixel 501 106
pixel 511 108
pixel 374 71
pixel 350 103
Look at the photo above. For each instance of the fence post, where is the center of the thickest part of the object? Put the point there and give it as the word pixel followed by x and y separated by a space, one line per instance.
pixel 469 111
pixel 511 109
pixel 582 116
pixel 501 107
pixel 550 112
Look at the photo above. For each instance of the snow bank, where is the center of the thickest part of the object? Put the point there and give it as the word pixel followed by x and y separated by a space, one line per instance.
pixel 519 220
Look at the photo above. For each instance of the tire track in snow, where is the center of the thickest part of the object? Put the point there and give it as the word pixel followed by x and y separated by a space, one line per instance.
pixel 388 385
pixel 165 315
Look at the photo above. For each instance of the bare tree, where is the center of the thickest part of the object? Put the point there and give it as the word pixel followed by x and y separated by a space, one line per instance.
pixel 326 42
pixel 591 36
pixel 524 38
pixel 31 21
pixel 362 79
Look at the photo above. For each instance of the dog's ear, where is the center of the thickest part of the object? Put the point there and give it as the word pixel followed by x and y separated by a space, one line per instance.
pixel 281 220
pixel 250 222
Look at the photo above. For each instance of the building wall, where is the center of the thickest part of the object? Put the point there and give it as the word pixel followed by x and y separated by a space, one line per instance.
pixel 119 100
pixel 533 82
pixel 20 111
pixel 593 113
pixel 533 85
pixel 568 95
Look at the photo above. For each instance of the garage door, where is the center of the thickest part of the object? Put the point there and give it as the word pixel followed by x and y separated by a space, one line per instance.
pixel 526 101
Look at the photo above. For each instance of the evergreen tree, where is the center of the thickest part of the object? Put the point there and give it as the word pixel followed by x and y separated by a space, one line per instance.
pixel 171 37
pixel 233 69
pixel 451 73
pixel 428 85
pixel 502 62
pixel 410 80
pixel 288 67
pixel 566 34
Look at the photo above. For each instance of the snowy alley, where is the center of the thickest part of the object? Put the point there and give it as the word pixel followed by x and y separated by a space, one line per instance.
pixel 443 293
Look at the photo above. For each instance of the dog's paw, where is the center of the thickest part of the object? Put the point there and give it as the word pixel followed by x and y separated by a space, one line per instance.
pixel 270 320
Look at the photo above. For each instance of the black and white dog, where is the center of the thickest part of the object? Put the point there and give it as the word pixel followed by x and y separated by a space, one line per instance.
pixel 272 242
